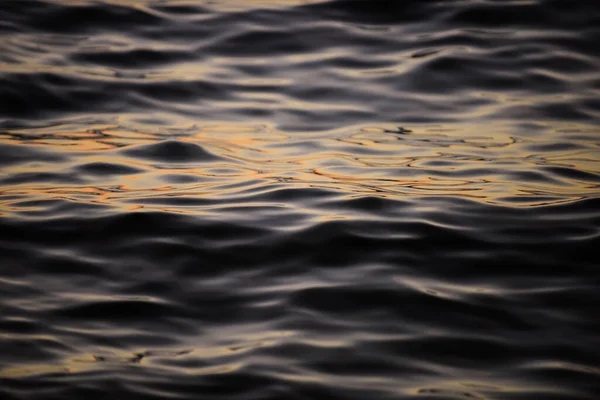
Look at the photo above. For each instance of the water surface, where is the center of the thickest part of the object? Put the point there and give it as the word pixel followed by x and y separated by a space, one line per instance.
pixel 299 199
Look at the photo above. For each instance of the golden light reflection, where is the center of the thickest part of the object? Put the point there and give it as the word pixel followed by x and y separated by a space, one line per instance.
pixel 196 360
pixel 35 370
pixel 89 363
pixel 462 161
pixel 480 390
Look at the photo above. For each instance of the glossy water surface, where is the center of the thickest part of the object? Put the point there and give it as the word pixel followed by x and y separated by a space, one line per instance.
pixel 289 199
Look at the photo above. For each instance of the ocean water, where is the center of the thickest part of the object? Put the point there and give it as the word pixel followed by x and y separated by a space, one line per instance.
pixel 287 199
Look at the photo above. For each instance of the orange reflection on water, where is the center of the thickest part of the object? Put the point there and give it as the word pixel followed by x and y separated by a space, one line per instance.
pixel 91 165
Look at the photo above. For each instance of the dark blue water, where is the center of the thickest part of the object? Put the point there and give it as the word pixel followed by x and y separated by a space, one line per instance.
pixel 289 199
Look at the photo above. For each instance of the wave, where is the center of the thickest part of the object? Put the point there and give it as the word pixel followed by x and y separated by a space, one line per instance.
pixel 368 62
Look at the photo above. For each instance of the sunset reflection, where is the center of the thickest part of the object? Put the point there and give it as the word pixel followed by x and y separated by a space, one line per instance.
pixel 364 161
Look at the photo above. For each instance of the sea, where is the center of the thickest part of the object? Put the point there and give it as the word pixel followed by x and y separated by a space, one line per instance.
pixel 300 199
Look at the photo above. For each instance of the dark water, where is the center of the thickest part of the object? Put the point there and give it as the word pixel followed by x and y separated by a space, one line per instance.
pixel 299 199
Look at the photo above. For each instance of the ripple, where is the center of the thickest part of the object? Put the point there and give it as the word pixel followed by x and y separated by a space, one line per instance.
pixel 369 63
pixel 15 154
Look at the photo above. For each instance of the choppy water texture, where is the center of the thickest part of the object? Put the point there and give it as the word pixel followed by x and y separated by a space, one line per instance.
pixel 299 199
